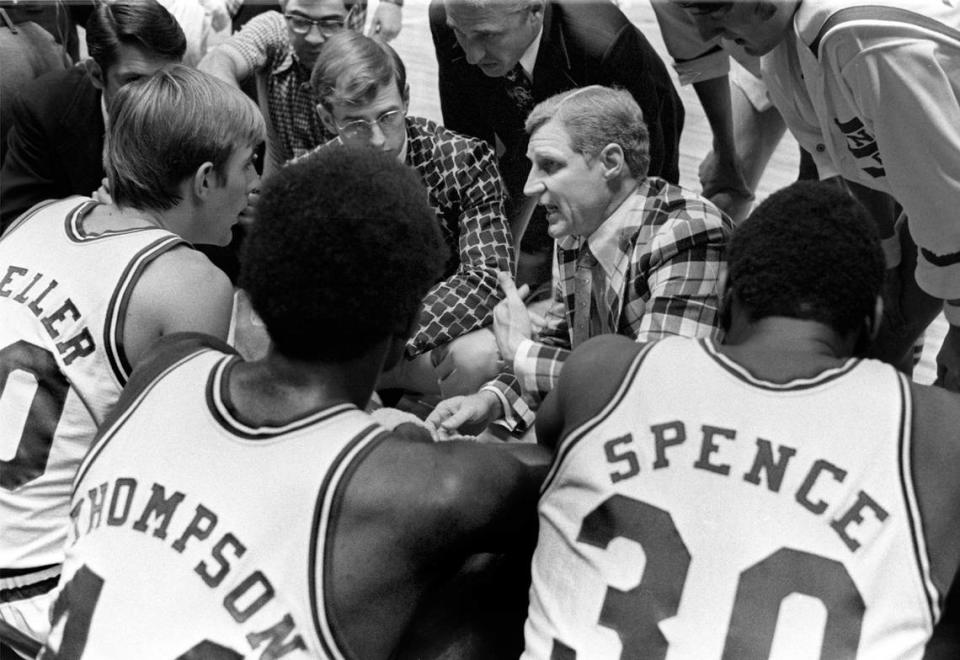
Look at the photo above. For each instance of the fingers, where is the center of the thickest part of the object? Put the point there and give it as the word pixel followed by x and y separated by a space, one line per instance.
pixel 508 286
pixel 443 410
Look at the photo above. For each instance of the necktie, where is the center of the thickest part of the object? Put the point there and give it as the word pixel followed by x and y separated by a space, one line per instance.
pixel 583 295
pixel 519 89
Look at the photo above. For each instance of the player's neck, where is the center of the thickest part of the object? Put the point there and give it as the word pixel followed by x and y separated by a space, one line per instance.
pixel 278 389
pixel 110 217
pixel 780 349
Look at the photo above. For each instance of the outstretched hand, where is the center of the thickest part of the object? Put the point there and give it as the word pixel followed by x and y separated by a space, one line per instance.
pixel 464 414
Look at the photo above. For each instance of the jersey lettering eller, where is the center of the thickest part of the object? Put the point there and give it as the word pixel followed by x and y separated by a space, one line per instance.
pixel 63 300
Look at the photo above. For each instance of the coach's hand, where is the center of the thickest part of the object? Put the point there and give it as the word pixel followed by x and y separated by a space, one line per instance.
pixel 465 414
pixel 511 320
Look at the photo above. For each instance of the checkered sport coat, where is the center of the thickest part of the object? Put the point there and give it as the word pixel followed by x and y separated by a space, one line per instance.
pixel 671 253
pixel 465 190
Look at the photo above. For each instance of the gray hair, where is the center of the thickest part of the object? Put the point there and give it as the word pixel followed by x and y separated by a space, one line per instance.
pixel 594 117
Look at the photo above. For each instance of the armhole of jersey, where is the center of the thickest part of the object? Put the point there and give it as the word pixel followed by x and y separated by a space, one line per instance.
pixel 185 347
pixel 878 13
pixel 567 443
pixel 325 516
pixel 933 597
pixel 26 215
pixel 117 308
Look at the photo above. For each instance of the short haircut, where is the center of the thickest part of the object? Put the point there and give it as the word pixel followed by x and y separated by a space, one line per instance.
pixel 164 127
pixel 594 117
pixel 344 248
pixel 809 251
pixel 141 23
pixel 353 68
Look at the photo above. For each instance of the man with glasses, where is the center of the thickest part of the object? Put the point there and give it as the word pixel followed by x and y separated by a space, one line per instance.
pixel 280 49
pixel 361 85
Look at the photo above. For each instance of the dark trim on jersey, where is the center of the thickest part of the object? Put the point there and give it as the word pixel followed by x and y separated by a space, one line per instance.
pixel 905 470
pixel 26 215
pixel 76 233
pixel 742 373
pixel 29 590
pixel 221 408
pixel 941 260
pixel 18 572
pixel 878 13
pixel 327 509
pixel 115 319
pixel 566 443
pixel 128 403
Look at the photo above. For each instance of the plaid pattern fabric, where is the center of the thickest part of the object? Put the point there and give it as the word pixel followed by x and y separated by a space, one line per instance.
pixel 466 192
pixel 670 255
pixel 265 45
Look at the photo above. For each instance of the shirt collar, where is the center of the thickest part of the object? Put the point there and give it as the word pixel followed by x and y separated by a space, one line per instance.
pixel 605 241
pixel 529 58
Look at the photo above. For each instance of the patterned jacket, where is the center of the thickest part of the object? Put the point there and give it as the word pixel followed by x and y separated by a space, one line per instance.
pixel 465 190
pixel 663 252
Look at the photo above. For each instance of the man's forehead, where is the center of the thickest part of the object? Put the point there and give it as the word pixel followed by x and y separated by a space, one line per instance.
pixel 315 8
pixel 550 139
pixel 483 16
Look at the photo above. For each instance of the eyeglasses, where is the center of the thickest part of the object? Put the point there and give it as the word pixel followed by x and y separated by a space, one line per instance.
pixel 327 26
pixel 362 129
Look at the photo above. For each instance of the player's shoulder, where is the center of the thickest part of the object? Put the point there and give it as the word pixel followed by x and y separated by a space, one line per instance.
pixel 168 352
pixel 184 270
pixel 599 363
pixel 936 424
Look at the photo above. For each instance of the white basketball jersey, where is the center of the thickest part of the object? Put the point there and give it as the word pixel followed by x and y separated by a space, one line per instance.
pixel 196 532
pixel 63 298
pixel 705 513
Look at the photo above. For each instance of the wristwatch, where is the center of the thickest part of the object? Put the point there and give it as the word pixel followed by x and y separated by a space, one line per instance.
pixel 398 3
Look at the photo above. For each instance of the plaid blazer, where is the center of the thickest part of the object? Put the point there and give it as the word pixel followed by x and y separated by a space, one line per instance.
pixel 466 192
pixel 669 257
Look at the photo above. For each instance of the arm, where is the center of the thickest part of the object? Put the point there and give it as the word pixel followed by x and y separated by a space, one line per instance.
pixel 677 271
pixel 248 51
pixel 465 300
pixel 589 380
pixel 920 157
pixel 180 291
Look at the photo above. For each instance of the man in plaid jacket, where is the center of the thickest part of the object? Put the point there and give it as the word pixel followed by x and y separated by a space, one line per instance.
pixel 634 255
pixel 361 85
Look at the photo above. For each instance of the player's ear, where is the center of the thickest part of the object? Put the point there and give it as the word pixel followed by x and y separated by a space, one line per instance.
pixel 97 76
pixel 203 180
pixel 327 118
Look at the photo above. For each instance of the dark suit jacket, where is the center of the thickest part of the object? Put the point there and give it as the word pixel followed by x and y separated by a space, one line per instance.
pixel 55 145
pixel 583 43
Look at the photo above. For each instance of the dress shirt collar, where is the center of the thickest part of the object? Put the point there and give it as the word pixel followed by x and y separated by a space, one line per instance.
pixel 529 58
pixel 605 241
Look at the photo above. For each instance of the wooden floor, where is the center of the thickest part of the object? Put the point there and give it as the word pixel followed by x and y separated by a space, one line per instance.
pixel 416 48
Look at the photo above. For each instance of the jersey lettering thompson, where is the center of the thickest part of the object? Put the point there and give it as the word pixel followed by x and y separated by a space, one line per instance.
pixel 722 516
pixel 63 299
pixel 217 531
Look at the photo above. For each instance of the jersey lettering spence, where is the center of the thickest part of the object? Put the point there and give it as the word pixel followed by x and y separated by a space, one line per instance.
pixel 63 298
pixel 193 531
pixel 721 516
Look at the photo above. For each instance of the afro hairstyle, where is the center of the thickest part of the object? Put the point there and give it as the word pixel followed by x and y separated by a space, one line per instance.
pixel 809 251
pixel 343 250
